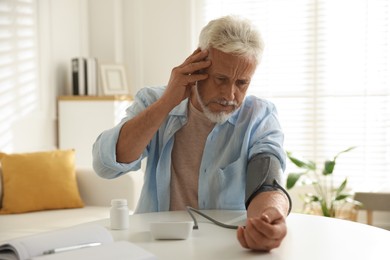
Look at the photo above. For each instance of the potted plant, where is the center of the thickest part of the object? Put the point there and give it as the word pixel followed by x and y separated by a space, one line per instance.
pixel 328 199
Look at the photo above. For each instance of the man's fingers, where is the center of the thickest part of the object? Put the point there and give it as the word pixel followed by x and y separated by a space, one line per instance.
pixel 241 237
pixel 256 239
pixel 271 214
pixel 196 50
pixel 275 230
pixel 197 55
pixel 196 67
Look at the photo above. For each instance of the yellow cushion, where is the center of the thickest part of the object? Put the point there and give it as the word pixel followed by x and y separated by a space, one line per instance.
pixel 1 177
pixel 39 181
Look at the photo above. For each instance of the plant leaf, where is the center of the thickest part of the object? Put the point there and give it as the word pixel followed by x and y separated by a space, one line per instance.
pixel 341 187
pixel 328 167
pixel 292 179
pixel 330 164
pixel 310 165
pixel 311 198
pixel 345 151
pixel 342 197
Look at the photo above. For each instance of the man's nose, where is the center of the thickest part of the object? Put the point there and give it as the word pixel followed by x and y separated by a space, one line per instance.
pixel 229 92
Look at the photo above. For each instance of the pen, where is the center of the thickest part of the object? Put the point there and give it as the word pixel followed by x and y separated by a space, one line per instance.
pixel 68 248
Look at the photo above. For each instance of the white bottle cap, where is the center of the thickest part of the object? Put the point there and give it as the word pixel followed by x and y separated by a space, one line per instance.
pixel 119 202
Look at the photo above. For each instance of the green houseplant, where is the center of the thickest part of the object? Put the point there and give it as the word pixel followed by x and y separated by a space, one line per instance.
pixel 328 199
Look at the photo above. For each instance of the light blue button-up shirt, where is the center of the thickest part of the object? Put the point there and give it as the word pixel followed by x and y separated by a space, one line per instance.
pixel 252 129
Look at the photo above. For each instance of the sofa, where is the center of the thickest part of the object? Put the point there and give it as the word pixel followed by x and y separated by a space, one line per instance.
pixel 96 194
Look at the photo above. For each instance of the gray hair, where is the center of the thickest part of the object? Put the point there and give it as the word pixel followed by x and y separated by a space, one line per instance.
pixel 232 34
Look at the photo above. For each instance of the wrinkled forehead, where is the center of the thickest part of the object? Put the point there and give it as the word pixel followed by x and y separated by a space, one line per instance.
pixel 231 64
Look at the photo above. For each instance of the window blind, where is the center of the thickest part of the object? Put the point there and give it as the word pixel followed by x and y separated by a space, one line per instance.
pixel 18 64
pixel 326 66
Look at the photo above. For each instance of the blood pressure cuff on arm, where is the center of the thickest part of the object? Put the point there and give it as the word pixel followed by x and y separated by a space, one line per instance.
pixel 264 173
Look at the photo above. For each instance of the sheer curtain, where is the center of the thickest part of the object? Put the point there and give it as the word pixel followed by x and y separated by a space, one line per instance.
pixel 18 64
pixel 327 68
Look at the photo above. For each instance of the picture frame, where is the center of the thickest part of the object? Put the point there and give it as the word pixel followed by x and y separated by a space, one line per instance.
pixel 114 80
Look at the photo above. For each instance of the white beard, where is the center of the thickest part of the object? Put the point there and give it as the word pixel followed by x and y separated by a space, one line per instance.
pixel 218 118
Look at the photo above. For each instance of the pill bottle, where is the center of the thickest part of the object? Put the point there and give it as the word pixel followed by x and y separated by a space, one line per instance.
pixel 119 214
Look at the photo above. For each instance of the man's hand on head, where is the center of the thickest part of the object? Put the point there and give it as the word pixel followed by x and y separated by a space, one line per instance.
pixel 184 76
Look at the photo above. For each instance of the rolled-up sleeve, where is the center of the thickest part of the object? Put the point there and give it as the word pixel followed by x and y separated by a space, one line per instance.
pixel 104 155
pixel 104 148
pixel 268 136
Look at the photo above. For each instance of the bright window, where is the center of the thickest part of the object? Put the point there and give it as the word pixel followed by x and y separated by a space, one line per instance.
pixel 326 66
pixel 18 65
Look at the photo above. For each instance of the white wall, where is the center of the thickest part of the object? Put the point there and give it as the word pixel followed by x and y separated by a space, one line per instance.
pixel 149 37
pixel 163 38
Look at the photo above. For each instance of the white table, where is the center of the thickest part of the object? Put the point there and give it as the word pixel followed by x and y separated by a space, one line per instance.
pixel 309 237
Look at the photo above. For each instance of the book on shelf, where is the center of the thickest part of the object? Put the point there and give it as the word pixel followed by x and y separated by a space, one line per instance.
pixel 84 76
pixel 78 76
pixel 91 76
pixel 87 241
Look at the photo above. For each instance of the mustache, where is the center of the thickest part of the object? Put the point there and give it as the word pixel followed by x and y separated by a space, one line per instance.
pixel 224 102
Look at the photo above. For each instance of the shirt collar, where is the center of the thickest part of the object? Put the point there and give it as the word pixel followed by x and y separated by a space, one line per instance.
pixel 181 110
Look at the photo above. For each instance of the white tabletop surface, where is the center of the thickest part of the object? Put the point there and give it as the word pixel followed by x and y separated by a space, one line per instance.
pixel 309 237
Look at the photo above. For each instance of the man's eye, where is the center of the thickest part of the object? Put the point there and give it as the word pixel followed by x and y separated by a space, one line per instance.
pixel 242 83
pixel 220 79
